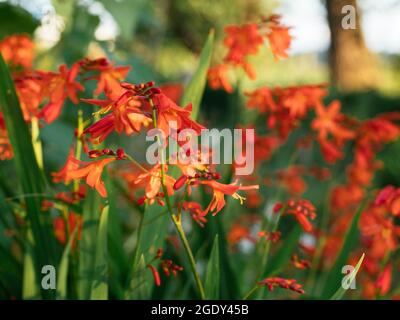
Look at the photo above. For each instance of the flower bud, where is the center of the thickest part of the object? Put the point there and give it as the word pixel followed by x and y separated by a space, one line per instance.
pixel 180 182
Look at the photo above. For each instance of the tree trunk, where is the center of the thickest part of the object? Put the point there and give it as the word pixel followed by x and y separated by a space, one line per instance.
pixel 352 66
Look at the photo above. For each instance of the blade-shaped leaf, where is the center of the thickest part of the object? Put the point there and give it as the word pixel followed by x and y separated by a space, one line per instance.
pixel 30 286
pixel 63 268
pixel 30 176
pixel 335 276
pixel 87 243
pixel 139 284
pixel 351 277
pixel 212 283
pixel 195 89
pixel 99 290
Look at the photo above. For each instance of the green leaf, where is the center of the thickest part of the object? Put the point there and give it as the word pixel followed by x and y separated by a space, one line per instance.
pixel 140 280
pixel 14 19
pixel 194 90
pixel 87 243
pixel 30 286
pixel 31 178
pixel 99 289
pixel 63 268
pixel 341 291
pixel 117 258
pixel 212 283
pixel 335 276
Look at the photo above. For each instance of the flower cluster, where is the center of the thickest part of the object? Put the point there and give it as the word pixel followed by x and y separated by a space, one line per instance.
pixel 289 284
pixel 244 41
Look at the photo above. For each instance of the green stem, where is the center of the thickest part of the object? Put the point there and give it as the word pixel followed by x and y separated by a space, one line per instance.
pixel 250 292
pixel 177 220
pixel 78 148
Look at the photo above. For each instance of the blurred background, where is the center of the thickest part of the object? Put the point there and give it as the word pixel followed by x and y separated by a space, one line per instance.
pixel 161 38
pixel 161 41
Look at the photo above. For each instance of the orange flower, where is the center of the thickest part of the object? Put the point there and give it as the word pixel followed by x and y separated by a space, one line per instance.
pixel 152 181
pixel 270 236
pixel 127 115
pixel 169 113
pixel 242 41
pixel 237 233
pixel 92 172
pixel 263 99
pixel 61 85
pixel 300 263
pixel 299 99
pixel 291 179
pixel 17 50
pixel 172 91
pixel 219 192
pixel 218 78
pixel 70 165
pixel 109 76
pixel 302 210
pixel 61 231
pixel 278 36
pixel 30 89
pixel 345 196
pixel 6 151
pixel 327 122
pixel 290 284
pixel 195 211
pixel 330 150
pixel 384 280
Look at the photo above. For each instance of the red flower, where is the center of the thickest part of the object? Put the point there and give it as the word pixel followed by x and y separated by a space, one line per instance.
pixel 61 230
pixel 6 151
pixel 60 86
pixel 219 192
pixel 302 210
pixel 172 91
pixel 327 122
pixel 300 263
pixel 263 99
pixel 92 172
pixel 70 165
pixel 218 78
pixel 242 41
pixel 152 181
pixel 17 50
pixel 109 76
pixel 171 118
pixel 195 211
pixel 278 36
pixel 384 280
pixel 127 115
pixel 270 236
pixel 290 284
pixel 31 90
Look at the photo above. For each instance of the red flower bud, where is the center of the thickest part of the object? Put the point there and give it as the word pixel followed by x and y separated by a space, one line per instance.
pixel 141 200
pixel 180 182
pixel 278 206
pixel 95 154
pixel 120 154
